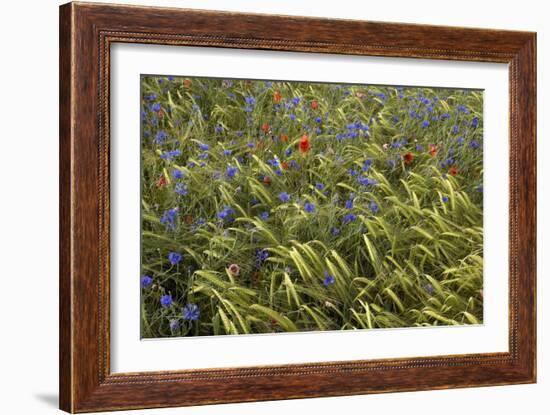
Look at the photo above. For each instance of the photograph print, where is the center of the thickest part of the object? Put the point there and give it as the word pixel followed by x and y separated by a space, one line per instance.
pixel 281 206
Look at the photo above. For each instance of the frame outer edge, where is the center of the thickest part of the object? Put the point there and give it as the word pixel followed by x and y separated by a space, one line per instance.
pixel 528 119
pixel 82 388
pixel 66 120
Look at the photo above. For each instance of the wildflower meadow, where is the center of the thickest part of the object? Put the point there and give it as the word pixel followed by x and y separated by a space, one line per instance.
pixel 274 206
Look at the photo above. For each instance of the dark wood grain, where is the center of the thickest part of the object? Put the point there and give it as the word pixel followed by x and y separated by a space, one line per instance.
pixel 86 33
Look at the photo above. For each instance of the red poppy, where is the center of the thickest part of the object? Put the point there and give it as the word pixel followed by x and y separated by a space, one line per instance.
pixel 408 157
pixel 277 96
pixel 304 144
pixel 433 150
pixel 234 269
pixel 187 83
pixel 314 104
pixel 453 171
pixel 162 181
pixel 284 165
pixel 267 180
pixel 265 127
pixel 284 138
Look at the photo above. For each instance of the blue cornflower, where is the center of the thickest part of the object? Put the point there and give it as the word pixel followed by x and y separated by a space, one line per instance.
pixel 175 258
pixel 166 300
pixel 250 145
pixel 445 116
pixel 288 152
pixel 150 97
pixel 168 155
pixel 155 107
pixel 335 231
pixel 429 288
pixel 474 144
pixel 146 281
pixel 462 108
pixel 352 172
pixel 475 122
pixel 174 324
pixel 292 117
pixel 419 147
pixel 261 257
pixel 460 141
pixel 444 199
pixel 181 189
pixel 391 163
pixel 425 124
pixel 177 174
pixel 365 181
pixel 296 100
pixel 250 100
pixel 264 215
pixel 231 171
pixel 219 129
pixel 204 146
pixel 160 137
pixel 329 279
pixel 285 197
pixel 226 212
pixel 480 188
pixel 318 120
pixel 239 133
pixel 199 223
pixel 191 312
pixel 169 217
pixel 227 152
pixel 350 217
pixel 367 164
pixel 309 207
pixel 374 207
pixel 349 204
pixel 203 155
pixel 454 129
pixel 319 186
pixel 294 164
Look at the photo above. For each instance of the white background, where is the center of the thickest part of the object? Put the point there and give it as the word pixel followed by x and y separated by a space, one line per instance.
pixel 28 208
pixel 129 354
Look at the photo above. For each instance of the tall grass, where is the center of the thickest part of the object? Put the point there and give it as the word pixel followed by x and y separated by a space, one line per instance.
pixel 383 226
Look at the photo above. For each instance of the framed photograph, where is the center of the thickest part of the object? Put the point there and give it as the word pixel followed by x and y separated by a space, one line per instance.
pixel 260 207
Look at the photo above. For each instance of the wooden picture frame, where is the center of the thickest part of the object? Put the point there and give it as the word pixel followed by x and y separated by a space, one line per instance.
pixel 86 33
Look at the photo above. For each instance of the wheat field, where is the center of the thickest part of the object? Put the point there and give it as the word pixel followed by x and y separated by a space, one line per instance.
pixel 272 206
